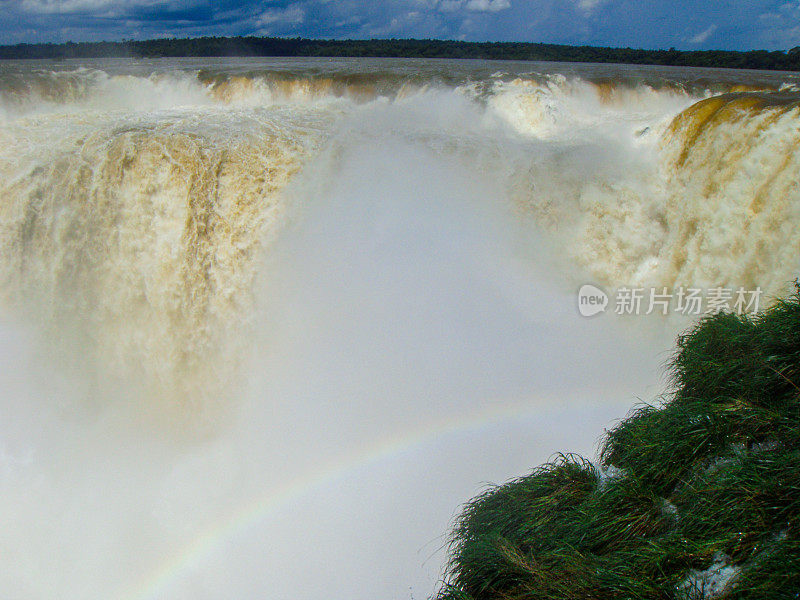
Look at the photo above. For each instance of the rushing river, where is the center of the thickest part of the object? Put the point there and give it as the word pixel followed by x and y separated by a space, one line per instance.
pixel 265 324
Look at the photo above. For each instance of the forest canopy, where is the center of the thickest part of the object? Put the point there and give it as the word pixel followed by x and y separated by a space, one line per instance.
pixel 403 48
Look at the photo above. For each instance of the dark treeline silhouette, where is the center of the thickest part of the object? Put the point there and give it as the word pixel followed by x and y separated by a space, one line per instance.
pixel 404 48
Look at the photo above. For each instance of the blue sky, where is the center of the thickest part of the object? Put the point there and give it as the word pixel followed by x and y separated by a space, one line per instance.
pixel 685 24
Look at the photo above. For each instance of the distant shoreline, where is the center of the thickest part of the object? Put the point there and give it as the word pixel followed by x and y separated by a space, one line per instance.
pixel 404 48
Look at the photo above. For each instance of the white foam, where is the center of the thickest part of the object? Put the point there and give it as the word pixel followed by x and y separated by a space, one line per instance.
pixel 412 334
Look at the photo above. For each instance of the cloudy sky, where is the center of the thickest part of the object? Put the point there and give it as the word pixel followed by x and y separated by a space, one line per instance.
pixel 685 24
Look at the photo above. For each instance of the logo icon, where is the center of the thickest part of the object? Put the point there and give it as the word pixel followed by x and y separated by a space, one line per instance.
pixel 591 300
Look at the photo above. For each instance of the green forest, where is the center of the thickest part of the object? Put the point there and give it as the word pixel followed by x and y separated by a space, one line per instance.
pixel 404 48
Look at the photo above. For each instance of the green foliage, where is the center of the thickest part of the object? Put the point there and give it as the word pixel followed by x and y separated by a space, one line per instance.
pixel 730 357
pixel 733 503
pixel 773 576
pixel 711 474
pixel 405 48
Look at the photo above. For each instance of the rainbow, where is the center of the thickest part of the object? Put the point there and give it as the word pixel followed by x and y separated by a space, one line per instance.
pixel 203 545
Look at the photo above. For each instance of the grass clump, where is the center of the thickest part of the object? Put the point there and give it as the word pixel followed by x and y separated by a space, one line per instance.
pixel 695 497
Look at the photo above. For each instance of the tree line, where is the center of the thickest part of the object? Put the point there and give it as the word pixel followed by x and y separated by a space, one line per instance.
pixel 403 48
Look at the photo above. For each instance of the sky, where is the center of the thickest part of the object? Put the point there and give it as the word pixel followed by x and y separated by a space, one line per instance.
pixel 683 24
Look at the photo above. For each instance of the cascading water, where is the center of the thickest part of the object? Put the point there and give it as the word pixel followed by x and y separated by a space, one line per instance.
pixel 266 324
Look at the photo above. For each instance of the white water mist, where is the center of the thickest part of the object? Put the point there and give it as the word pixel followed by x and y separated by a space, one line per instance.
pixel 405 328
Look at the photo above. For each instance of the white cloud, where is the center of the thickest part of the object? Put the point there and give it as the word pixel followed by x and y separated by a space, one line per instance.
pixel 349 21
pixel 293 14
pixel 473 5
pixel 80 6
pixel 64 6
pixel 779 29
pixel 703 35
pixel 488 5
pixel 450 5
pixel 588 6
